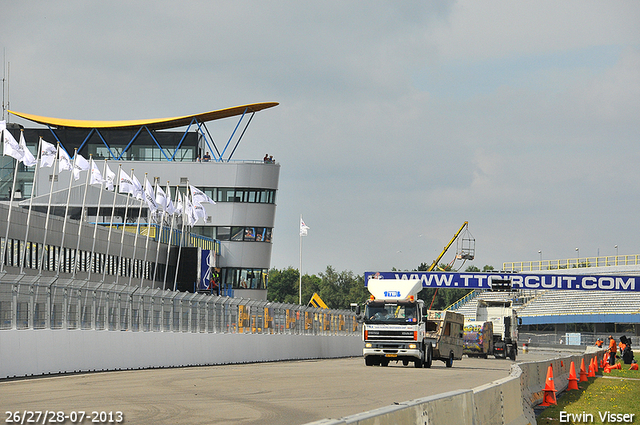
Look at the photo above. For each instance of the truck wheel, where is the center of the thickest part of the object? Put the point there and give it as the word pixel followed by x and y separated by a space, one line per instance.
pixel 368 361
pixel 384 363
pixel 512 354
pixel 449 362
pixel 429 360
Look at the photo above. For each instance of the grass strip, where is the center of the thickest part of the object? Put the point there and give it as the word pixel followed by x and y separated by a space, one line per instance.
pixel 607 398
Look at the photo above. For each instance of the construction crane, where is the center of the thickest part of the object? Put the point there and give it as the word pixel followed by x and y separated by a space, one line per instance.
pixel 466 250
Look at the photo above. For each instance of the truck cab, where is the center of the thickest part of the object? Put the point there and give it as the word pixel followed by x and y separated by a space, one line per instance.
pixel 398 327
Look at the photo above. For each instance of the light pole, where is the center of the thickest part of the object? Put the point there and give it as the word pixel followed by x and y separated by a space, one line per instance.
pixel 540 252
pixel 616 247
pixel 578 259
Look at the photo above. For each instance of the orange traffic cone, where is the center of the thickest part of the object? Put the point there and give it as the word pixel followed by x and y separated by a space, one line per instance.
pixel 549 389
pixel 595 364
pixel 573 381
pixel 592 372
pixel 617 366
pixel 583 372
pixel 607 369
pixel 605 360
pixel 634 366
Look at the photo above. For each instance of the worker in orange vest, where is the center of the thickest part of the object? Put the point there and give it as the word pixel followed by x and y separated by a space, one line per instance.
pixel 613 350
pixel 599 343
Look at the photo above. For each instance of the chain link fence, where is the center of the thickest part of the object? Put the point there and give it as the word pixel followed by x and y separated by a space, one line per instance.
pixel 49 303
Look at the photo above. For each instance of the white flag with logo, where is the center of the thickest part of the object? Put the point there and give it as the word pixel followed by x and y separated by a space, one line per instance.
pixel 81 164
pixel 126 184
pixel 11 146
pixel 47 154
pixel 149 197
pixel 27 158
pixel 179 205
pixel 303 228
pixel 161 198
pixel 199 197
pixel 64 160
pixel 96 175
pixel 110 179
pixel 138 190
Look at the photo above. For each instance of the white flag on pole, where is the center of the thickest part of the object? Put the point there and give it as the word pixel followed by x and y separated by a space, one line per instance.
pixel 161 198
pixel 47 154
pixel 190 212
pixel 303 228
pixel 110 179
pixel 170 208
pixel 11 146
pixel 27 158
pixel 126 184
pixel 138 190
pixel 64 160
pixel 149 196
pixel 81 164
pixel 179 205
pixel 199 197
pixel 96 175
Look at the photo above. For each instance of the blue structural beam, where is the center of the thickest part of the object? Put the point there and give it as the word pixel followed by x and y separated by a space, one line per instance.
pixel 473 280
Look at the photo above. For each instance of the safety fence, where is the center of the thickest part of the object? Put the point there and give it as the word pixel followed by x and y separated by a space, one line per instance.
pixel 50 303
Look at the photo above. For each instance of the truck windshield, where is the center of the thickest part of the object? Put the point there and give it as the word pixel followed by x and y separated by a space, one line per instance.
pixel 380 312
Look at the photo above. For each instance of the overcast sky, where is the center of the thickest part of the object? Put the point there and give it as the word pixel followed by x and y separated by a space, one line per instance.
pixel 397 122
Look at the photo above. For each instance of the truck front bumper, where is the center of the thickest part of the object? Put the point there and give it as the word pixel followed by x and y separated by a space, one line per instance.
pixel 394 351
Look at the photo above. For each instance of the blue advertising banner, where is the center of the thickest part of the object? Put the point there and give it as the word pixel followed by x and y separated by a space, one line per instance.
pixel 473 280
pixel 207 261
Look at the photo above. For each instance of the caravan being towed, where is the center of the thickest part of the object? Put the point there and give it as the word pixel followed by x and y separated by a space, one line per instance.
pixel 398 327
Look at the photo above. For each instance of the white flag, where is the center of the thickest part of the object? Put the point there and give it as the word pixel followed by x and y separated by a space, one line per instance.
pixel 199 211
pixel 149 196
pixel 64 161
pixel 190 212
pixel 96 175
pixel 199 197
pixel 138 190
pixel 27 159
pixel 161 198
pixel 179 205
pixel 126 184
pixel 47 154
pixel 171 209
pixel 81 164
pixel 11 146
pixel 110 179
pixel 303 228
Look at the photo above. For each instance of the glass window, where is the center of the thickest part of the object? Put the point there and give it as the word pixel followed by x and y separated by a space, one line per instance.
pixel 260 234
pixel 237 233
pixel 267 234
pixel 223 233
pixel 249 234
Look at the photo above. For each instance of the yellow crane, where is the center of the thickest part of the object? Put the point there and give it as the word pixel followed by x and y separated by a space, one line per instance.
pixel 466 252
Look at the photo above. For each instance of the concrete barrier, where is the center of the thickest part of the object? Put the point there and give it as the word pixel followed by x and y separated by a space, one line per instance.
pixel 508 401
pixel 38 352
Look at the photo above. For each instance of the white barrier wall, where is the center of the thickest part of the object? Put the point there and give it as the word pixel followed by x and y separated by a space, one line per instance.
pixel 37 352
pixel 507 401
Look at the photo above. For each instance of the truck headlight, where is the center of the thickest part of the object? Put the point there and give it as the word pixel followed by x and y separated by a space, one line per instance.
pixel 412 346
pixel 368 345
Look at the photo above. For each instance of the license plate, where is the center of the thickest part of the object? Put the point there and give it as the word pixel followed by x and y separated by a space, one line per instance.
pixel 391 355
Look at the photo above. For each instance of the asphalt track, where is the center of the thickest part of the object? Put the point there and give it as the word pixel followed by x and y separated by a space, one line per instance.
pixel 294 392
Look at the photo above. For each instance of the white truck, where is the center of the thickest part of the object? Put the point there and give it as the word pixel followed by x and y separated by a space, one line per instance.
pixel 505 326
pixel 398 327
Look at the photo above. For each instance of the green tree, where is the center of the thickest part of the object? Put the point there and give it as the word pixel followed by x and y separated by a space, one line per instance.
pixel 283 285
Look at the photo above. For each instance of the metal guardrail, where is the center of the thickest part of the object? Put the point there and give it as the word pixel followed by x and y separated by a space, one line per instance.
pixel 571 263
pixel 50 303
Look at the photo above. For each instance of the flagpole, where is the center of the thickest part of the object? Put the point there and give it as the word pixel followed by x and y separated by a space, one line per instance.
pixel 46 222
pixel 95 227
pixel 175 280
pixel 124 219
pixel 84 200
pixel 300 269
pixel 33 190
pixel 66 211
pixel 164 210
pixel 113 209
pixel 173 219
pixel 135 241
pixel 6 236
pixel 146 245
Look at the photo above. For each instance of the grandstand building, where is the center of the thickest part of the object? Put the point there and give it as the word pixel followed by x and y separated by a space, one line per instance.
pixel 176 152
pixel 559 316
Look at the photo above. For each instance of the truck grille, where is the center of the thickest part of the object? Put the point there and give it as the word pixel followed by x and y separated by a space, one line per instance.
pixel 380 335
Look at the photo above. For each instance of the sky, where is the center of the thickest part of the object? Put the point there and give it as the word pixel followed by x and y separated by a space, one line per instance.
pixel 397 121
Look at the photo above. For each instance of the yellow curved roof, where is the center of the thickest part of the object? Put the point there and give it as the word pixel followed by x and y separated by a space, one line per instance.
pixel 153 124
